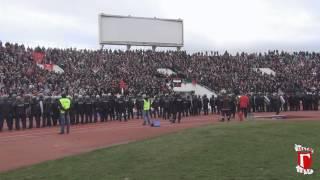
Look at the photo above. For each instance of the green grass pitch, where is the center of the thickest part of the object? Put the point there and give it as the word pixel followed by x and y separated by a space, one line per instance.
pixel 257 150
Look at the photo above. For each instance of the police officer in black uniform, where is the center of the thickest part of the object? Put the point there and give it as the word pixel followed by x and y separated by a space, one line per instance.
pixel 117 108
pixel 192 108
pixel 108 109
pixel 200 105
pixel 27 103
pixel 172 105
pixel 304 102
pixel 252 103
pixel 185 104
pixel 290 102
pixel 121 109
pixel 194 105
pixel 219 102
pixel 285 105
pixel 46 120
pixel 105 108
pixel 112 107
pixel 1 113
pixel 155 105
pixel 173 109
pixel 36 112
pixel 130 106
pixel 81 109
pixel 260 102
pixel 166 107
pixel 205 102
pixel 88 109
pixel 315 101
pixel 75 109
pixel 179 107
pixel 7 112
pixel 20 112
pixel 212 104
pixel 307 101
pixel 161 105
pixel 96 108
pixel 55 110
pixel 297 98
pixel 233 105
pixel 72 112
pixel 226 107
pixel 101 109
pixel 275 103
pixel 268 105
pixel 126 106
pixel 139 106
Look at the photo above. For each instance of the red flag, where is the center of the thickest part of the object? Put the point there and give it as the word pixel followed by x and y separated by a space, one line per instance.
pixel 194 82
pixel 29 71
pixel 123 85
pixel 48 67
pixel 38 57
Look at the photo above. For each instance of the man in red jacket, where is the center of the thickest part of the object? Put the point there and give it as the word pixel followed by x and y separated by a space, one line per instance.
pixel 244 104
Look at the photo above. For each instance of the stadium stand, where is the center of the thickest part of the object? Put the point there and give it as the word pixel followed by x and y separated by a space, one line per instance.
pixel 99 71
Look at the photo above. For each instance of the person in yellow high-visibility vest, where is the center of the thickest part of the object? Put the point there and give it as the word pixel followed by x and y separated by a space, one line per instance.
pixel 146 110
pixel 64 106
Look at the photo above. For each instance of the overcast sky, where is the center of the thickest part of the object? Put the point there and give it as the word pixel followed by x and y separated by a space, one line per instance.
pixel 234 25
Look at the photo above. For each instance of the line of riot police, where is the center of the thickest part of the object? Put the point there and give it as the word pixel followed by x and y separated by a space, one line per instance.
pixel 27 112
pixel 259 102
pixel 42 111
pixel 287 102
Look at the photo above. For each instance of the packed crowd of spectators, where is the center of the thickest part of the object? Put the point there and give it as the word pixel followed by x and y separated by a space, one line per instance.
pixel 92 72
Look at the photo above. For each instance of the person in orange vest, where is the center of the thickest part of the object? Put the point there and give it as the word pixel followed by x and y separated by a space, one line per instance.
pixel 244 104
